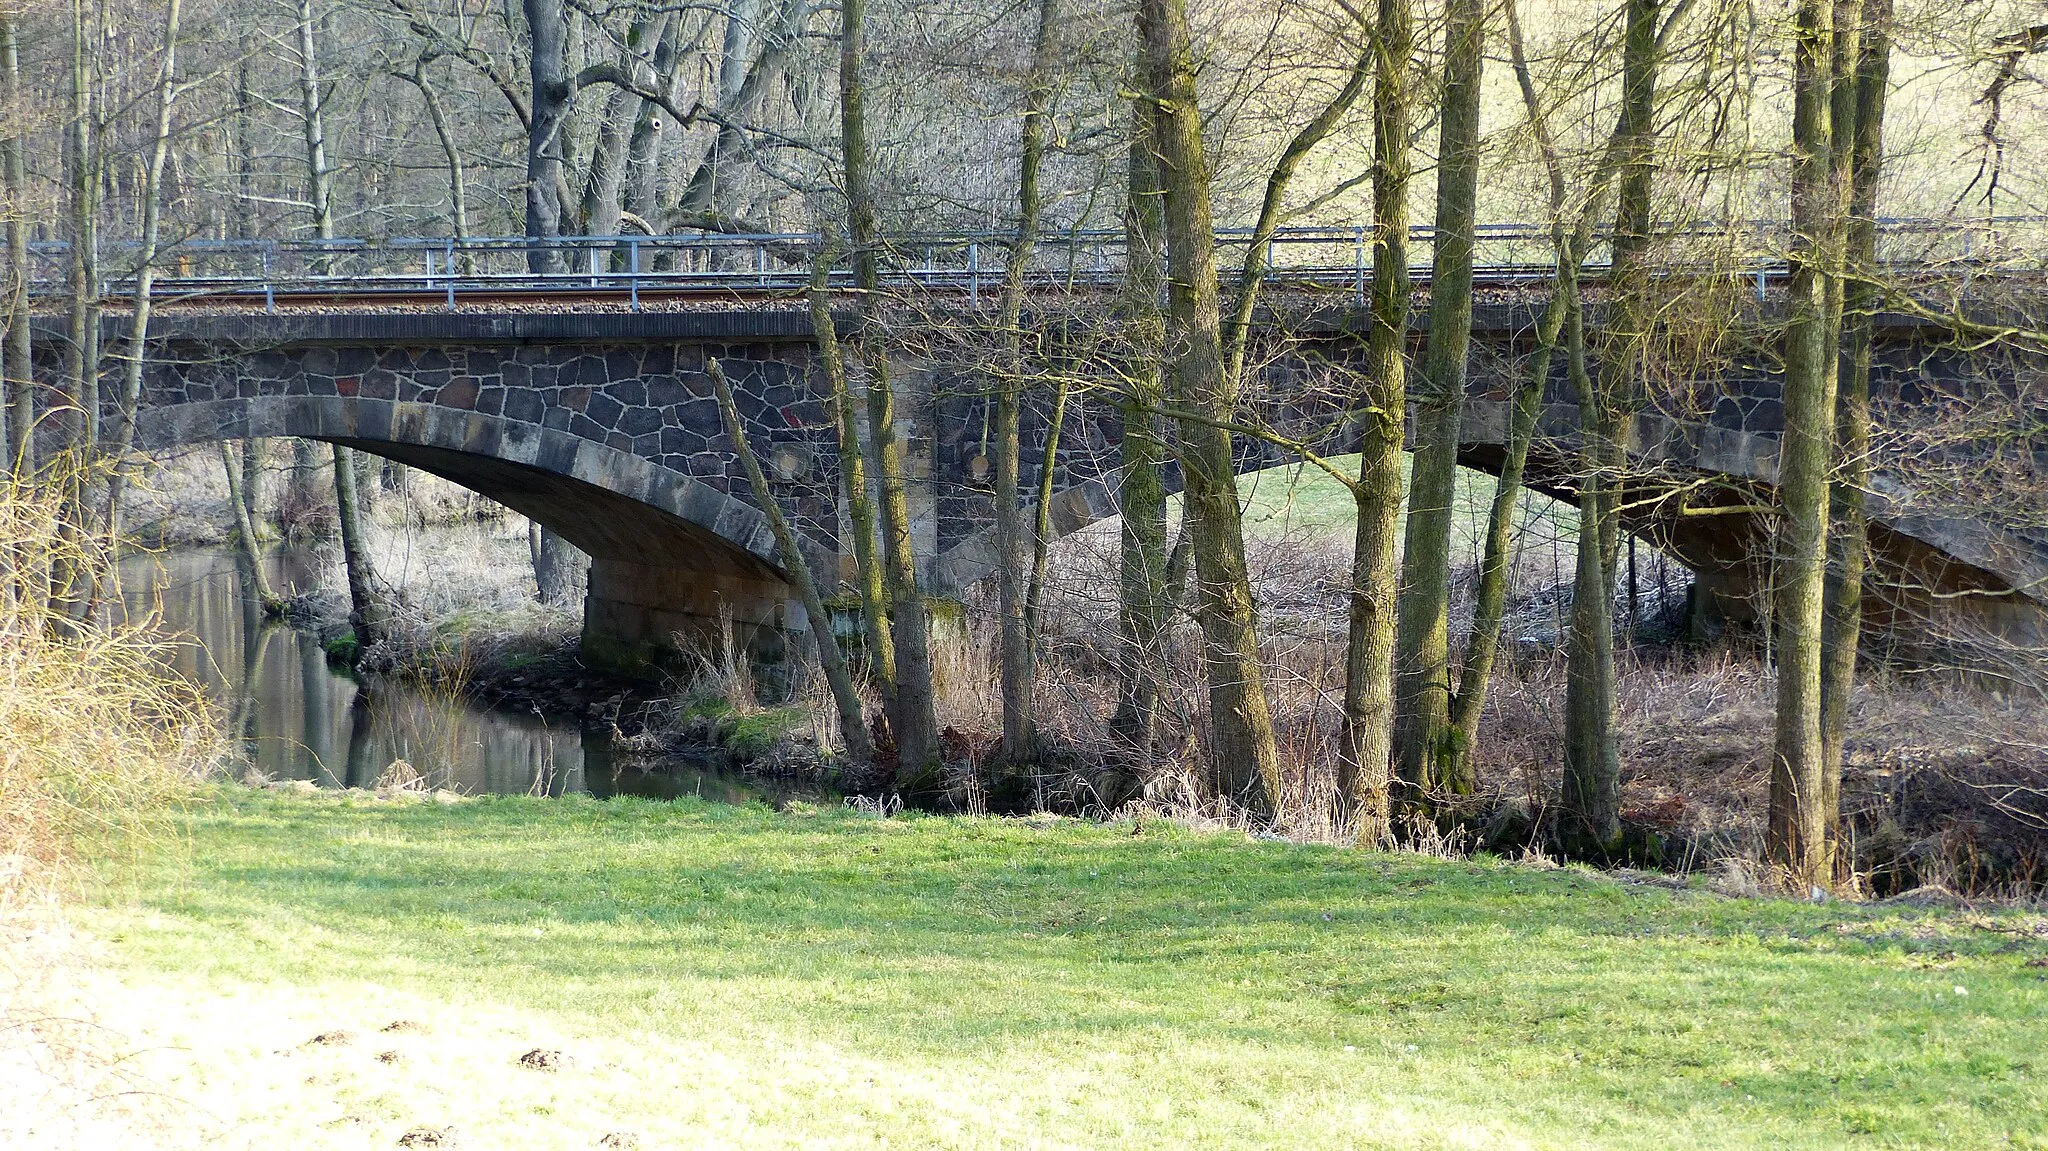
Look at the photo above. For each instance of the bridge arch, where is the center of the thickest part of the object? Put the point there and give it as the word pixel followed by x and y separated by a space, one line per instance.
pixel 601 425
pixel 1973 582
pixel 670 553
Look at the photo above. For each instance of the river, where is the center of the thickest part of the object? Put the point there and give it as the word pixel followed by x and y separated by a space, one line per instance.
pixel 299 716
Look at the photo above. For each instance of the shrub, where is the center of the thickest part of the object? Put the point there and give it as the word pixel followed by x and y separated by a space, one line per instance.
pixel 96 732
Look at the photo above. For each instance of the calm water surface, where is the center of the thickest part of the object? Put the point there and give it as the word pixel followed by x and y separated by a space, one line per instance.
pixel 300 717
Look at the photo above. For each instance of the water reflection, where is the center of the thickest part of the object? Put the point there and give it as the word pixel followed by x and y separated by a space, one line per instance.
pixel 299 717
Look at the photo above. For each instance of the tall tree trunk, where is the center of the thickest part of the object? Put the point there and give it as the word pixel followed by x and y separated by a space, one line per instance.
pixel 1567 241
pixel 643 150
pixel 556 564
pixel 248 547
pixel 1591 795
pixel 1489 608
pixel 743 76
pixel 313 118
pixel 1019 645
pixel 247 210
pixel 1842 621
pixel 17 379
pixel 1245 764
pixel 547 27
pixel 458 183
pixel 254 452
pixel 82 348
pixel 1367 740
pixel 1141 599
pixel 1796 841
pixel 367 612
pixel 914 720
pixel 1423 737
pixel 852 724
pixel 123 438
pixel 604 184
pixel 853 474
pixel 302 487
pixel 552 99
pixel 1041 535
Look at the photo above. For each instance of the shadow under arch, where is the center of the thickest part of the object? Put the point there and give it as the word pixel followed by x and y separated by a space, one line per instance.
pixel 670 555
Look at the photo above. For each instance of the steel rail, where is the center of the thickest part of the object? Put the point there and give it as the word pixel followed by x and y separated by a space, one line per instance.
pixel 713 265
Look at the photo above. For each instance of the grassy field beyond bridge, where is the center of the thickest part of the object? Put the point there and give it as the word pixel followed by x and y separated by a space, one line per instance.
pixel 730 976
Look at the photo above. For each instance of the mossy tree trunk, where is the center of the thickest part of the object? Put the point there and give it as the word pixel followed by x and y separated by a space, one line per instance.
pixel 1141 599
pixel 1842 619
pixel 77 417
pixel 853 476
pixel 1495 574
pixel 914 720
pixel 1796 833
pixel 1019 644
pixel 248 548
pixel 1367 740
pixel 1424 748
pixel 368 614
pixel 853 728
pixel 1591 794
pixel 17 380
pixel 1245 765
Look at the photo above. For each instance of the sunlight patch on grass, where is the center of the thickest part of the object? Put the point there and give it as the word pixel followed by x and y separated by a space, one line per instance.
pixel 724 976
pixel 1301 500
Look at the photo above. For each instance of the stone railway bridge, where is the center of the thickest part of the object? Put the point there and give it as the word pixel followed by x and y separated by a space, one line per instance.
pixel 601 426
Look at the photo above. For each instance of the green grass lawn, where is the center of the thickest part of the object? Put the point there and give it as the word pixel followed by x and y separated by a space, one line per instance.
pixel 731 976
pixel 1303 500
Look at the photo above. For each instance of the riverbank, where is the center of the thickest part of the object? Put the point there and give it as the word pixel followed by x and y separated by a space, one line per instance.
pixel 312 971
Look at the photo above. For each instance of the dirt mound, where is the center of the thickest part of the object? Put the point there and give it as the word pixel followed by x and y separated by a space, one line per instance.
pixel 543 1059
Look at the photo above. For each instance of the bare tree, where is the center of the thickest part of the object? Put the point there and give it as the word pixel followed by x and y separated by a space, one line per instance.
pixel 17 380
pixel 368 615
pixel 1367 747
pixel 852 724
pixel 1797 842
pixel 551 93
pixel 1019 644
pixel 367 612
pixel 1141 495
pixel 1562 321
pixel 82 346
pixel 130 398
pixel 1591 794
pixel 248 548
pixel 1425 756
pixel 853 477
pixel 1862 103
pixel 1244 761
pixel 914 722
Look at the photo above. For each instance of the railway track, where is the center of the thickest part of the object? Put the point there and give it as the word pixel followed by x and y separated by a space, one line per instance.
pixel 664 292
pixel 713 269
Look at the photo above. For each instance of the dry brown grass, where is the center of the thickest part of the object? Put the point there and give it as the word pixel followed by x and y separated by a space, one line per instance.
pixel 95 731
pixel 1946 782
pixel 97 739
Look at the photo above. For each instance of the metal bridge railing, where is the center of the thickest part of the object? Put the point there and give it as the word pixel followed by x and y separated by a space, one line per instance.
pixel 973 264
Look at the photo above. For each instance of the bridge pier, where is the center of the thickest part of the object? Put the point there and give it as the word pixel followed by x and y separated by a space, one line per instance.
pixel 645 618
